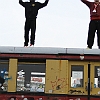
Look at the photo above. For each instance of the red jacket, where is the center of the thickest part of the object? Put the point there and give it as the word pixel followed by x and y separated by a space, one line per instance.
pixel 94 12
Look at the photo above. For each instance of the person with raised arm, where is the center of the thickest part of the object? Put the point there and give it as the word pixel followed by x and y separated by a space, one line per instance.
pixel 94 25
pixel 31 12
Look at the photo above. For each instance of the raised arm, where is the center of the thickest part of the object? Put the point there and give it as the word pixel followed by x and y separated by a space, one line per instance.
pixel 22 3
pixel 41 5
pixel 86 2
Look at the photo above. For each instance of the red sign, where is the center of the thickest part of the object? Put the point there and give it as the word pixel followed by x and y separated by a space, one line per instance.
pixel 37 79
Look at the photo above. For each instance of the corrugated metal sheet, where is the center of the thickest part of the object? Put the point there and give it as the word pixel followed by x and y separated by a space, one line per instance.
pixel 48 50
pixel 83 51
pixel 36 50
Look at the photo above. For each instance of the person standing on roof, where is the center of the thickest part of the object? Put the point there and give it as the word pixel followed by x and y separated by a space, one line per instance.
pixel 94 22
pixel 31 12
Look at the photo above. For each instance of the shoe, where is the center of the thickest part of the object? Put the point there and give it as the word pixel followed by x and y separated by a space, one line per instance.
pixel 88 48
pixel 31 45
pixel 25 46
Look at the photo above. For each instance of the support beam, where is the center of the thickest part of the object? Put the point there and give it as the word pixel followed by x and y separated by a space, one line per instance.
pixel 13 74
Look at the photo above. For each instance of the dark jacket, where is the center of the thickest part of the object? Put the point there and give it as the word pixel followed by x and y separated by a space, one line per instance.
pixel 91 5
pixel 31 10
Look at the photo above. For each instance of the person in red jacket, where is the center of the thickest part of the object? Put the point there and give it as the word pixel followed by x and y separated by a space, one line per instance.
pixel 31 12
pixel 94 25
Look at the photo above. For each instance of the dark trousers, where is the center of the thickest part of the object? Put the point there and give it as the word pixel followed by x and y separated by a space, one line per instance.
pixel 30 24
pixel 93 27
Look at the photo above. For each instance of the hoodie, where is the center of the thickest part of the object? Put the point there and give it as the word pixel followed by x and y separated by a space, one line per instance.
pixel 31 9
pixel 94 9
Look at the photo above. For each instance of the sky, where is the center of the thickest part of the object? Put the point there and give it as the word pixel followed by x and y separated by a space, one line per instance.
pixel 62 23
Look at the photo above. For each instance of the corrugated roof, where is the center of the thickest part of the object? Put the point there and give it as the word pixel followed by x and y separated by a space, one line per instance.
pixel 48 50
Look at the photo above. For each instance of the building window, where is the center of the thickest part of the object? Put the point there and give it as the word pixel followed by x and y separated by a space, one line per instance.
pixel 31 77
pixel 4 75
pixel 97 77
pixel 77 73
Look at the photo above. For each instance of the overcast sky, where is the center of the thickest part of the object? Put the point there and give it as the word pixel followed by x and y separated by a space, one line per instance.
pixel 62 23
